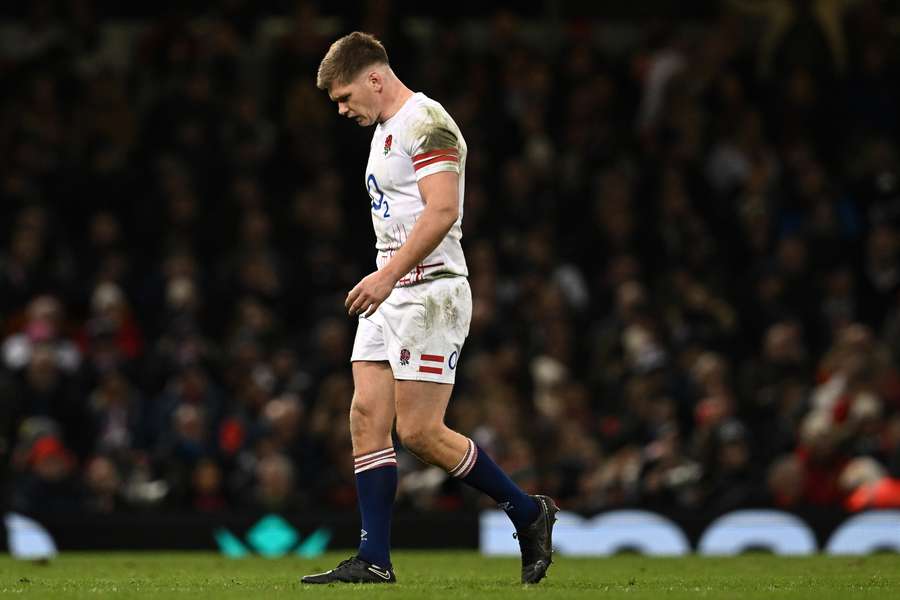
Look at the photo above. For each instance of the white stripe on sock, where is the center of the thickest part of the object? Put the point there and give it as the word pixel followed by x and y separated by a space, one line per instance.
pixel 471 462
pixel 372 455
pixel 390 460
pixel 467 462
pixel 374 460
pixel 463 460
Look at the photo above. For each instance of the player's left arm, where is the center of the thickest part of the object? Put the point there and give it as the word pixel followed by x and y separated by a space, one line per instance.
pixel 440 193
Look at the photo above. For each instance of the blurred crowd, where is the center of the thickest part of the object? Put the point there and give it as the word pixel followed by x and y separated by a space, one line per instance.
pixel 683 238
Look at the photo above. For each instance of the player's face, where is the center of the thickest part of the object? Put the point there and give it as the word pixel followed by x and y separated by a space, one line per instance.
pixel 357 101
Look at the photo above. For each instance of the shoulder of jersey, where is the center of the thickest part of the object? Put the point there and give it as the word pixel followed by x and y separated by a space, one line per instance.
pixel 425 102
pixel 423 107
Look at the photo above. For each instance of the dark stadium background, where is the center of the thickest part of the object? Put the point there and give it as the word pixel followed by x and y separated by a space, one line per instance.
pixel 681 223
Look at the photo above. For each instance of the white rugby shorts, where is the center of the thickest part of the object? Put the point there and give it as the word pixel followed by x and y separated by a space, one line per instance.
pixel 419 330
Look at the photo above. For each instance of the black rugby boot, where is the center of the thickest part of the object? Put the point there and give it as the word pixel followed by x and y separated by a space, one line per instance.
pixel 353 570
pixel 536 541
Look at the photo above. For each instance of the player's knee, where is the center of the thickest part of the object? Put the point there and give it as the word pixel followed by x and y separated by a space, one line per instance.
pixel 419 439
pixel 414 439
pixel 361 416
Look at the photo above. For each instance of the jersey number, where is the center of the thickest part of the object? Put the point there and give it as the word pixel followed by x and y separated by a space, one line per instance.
pixel 380 203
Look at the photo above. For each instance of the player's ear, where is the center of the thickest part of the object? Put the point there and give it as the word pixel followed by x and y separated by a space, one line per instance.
pixel 375 80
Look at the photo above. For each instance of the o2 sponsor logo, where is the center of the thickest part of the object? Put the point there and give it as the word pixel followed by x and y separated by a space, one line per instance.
pixel 451 362
pixel 377 196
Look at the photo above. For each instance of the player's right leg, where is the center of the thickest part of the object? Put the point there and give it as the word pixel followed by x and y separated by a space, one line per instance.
pixel 374 461
pixel 375 465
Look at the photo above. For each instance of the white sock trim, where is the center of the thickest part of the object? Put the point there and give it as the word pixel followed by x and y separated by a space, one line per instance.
pixel 372 460
pixel 390 460
pixel 468 461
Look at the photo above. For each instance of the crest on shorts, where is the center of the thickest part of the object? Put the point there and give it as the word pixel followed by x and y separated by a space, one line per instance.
pixel 404 357
pixel 387 144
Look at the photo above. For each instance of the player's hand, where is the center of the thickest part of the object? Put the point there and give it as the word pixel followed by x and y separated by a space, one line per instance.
pixel 369 293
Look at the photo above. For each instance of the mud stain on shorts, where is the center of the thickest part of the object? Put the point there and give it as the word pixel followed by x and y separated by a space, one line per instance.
pixel 450 312
pixel 441 311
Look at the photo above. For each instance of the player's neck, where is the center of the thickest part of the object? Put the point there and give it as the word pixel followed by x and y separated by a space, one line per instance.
pixel 395 102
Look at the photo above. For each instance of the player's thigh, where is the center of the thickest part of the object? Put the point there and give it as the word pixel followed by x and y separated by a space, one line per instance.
pixel 372 408
pixel 420 405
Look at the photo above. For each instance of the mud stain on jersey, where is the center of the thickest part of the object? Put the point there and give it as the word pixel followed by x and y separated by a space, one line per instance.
pixel 437 132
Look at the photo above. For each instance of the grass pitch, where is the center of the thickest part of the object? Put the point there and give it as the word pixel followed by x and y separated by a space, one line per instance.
pixel 453 575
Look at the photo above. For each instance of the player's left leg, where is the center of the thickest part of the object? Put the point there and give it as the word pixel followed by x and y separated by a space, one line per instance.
pixel 421 406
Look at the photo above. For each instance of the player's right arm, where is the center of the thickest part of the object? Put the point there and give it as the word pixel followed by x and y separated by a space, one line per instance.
pixel 434 149
pixel 440 193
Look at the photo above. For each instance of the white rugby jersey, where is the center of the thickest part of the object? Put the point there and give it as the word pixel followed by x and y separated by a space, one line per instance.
pixel 420 139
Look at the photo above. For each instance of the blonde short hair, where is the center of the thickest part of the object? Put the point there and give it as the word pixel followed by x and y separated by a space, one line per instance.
pixel 347 57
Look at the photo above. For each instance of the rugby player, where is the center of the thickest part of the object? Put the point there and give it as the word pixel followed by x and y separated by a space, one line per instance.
pixel 413 310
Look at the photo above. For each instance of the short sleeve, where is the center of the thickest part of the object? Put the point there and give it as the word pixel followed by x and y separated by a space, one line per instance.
pixel 435 145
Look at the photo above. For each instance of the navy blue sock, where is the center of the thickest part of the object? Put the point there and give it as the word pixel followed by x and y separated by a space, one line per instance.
pixel 478 470
pixel 376 487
